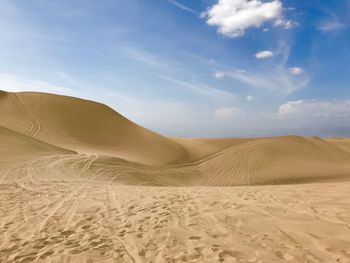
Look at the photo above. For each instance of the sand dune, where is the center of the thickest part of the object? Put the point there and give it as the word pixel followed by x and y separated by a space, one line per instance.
pixel 85 126
pixel 342 143
pixel 290 159
pixel 77 184
pixel 92 128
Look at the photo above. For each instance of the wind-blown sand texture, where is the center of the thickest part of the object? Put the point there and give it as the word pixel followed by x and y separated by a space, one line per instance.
pixel 81 183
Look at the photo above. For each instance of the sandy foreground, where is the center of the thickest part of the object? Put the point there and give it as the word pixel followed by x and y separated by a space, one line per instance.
pixel 81 183
pixel 92 221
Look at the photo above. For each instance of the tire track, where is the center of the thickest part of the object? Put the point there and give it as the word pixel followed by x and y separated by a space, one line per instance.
pixel 51 209
pixel 34 125
pixel 71 211
pixel 128 244
pixel 4 174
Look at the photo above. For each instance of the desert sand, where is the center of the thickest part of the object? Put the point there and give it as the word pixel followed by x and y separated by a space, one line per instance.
pixel 81 183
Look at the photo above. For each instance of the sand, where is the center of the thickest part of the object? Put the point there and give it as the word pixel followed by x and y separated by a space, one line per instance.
pixel 81 183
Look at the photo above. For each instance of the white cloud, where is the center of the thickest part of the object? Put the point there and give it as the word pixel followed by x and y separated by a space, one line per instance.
pixel 219 75
pixel 250 98
pixel 296 70
pixel 14 83
pixel 287 24
pixel 183 7
pixel 227 113
pixel 264 54
pixel 233 17
pixel 315 109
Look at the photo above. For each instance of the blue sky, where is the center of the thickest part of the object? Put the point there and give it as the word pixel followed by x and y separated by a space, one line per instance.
pixel 188 68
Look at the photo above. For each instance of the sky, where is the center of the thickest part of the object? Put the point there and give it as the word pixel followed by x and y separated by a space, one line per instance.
pixel 201 68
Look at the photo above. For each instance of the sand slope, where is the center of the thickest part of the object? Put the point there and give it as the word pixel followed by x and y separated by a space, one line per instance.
pixel 16 147
pixel 85 126
pixel 342 143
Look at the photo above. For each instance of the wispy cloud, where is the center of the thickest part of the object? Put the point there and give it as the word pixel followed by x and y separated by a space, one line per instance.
pixel 279 80
pixel 156 61
pixel 331 25
pixel 140 56
pixel 183 7
pixel 165 67
pixel 200 88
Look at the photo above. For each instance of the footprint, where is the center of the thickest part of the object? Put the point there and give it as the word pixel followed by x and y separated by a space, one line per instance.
pixel 67 233
pixel 28 259
pixel 228 256
pixel 46 254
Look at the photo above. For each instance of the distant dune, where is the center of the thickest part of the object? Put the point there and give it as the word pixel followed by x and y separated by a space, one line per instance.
pixel 278 160
pixel 80 183
pixel 39 121
pixel 342 143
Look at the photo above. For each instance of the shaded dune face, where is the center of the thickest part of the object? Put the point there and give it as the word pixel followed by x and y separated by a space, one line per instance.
pixel 37 124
